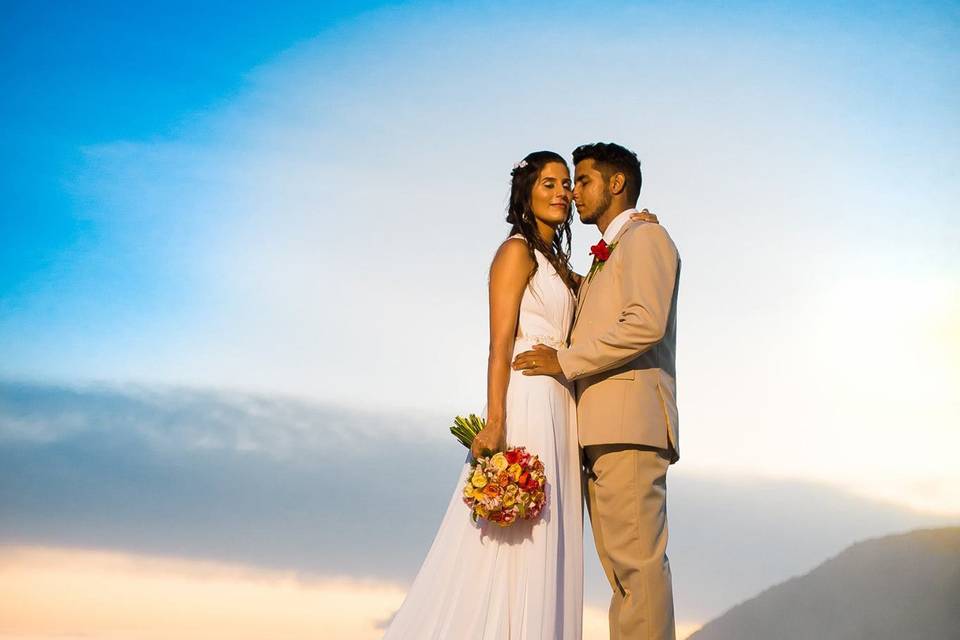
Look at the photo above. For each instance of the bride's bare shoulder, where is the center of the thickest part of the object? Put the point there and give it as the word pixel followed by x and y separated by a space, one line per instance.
pixel 512 256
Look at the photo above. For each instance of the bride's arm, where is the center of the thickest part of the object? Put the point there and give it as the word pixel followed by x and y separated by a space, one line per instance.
pixel 508 278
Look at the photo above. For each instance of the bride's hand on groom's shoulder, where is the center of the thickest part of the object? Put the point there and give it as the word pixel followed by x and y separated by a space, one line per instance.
pixel 644 216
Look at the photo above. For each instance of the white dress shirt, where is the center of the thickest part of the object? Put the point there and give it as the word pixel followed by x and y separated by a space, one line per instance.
pixel 616 224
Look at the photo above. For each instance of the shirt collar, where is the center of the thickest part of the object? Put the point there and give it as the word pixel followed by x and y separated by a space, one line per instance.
pixel 616 225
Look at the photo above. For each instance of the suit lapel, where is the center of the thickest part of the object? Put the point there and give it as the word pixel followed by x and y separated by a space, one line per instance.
pixel 585 286
pixel 581 296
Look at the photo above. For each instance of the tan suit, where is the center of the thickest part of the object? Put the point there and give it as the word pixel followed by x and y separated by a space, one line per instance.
pixel 622 359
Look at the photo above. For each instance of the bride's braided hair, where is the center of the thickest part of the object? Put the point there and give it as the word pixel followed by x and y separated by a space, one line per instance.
pixel 520 215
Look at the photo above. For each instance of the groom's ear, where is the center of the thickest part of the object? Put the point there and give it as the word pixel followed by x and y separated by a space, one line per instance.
pixel 617 183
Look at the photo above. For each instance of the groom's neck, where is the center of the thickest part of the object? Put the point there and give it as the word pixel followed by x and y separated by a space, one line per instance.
pixel 606 218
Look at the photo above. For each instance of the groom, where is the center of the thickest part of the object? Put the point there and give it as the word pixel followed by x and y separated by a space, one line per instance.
pixel 621 358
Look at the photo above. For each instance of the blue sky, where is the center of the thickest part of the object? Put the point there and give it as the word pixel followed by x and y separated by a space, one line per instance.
pixel 75 76
pixel 300 201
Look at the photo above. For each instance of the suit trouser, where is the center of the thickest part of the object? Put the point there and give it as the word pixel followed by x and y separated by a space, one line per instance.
pixel 626 489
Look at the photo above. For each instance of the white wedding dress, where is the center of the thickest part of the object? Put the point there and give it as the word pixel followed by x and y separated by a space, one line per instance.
pixel 523 582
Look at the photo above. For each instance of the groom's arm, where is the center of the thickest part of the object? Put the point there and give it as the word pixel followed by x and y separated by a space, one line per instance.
pixel 649 274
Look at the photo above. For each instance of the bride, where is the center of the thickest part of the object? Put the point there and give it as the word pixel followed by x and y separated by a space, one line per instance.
pixel 523 582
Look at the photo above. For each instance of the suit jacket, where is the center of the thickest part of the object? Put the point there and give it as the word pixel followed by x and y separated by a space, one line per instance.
pixel 623 342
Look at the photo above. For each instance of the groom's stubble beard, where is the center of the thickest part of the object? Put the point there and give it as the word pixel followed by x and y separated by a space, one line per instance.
pixel 597 212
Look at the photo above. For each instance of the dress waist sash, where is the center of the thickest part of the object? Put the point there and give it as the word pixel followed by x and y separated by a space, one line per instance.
pixel 525 343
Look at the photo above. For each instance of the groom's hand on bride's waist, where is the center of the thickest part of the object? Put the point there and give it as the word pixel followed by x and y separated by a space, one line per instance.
pixel 539 361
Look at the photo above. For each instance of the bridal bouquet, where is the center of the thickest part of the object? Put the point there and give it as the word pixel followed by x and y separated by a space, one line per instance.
pixel 504 486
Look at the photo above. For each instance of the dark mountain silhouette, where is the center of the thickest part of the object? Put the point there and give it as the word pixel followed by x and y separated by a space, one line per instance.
pixel 900 587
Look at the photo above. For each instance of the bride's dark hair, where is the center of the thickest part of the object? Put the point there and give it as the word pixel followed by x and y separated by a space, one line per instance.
pixel 520 215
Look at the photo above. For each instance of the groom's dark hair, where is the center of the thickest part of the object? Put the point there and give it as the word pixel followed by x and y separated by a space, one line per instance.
pixel 611 158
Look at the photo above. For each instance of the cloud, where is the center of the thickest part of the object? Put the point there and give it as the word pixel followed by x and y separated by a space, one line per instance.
pixel 323 491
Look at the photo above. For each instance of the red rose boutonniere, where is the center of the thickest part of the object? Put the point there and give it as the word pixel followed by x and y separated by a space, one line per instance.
pixel 601 253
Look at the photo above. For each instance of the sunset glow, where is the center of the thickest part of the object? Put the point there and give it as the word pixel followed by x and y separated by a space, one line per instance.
pixel 99 595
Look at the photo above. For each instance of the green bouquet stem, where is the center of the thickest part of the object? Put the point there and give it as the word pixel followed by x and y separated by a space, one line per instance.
pixel 466 429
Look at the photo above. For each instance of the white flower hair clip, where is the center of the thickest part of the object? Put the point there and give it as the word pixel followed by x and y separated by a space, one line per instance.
pixel 520 165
